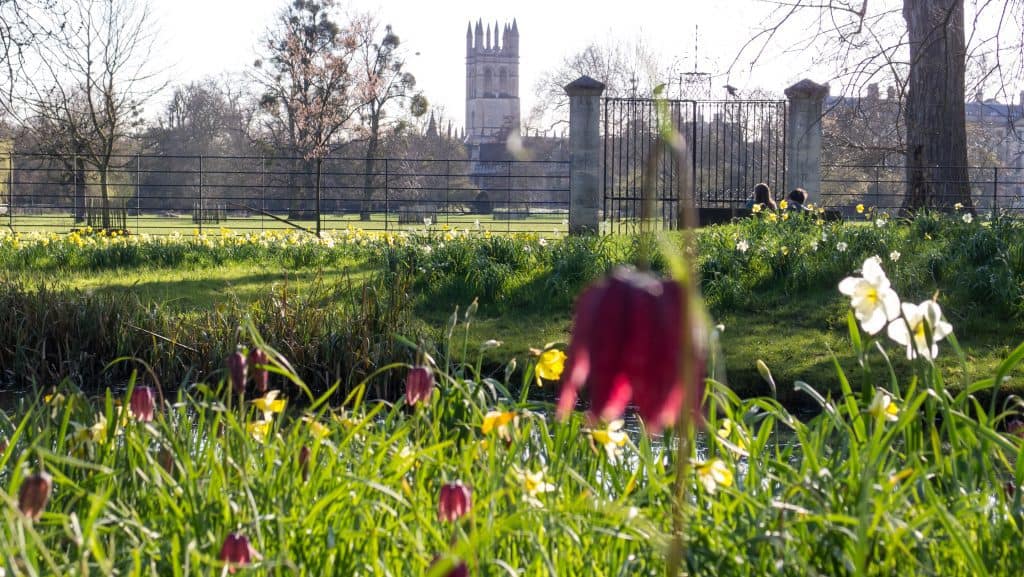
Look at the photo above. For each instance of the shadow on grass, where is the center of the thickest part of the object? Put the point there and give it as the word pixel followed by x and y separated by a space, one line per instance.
pixel 203 289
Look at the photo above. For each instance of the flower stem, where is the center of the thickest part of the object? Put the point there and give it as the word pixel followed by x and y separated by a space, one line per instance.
pixel 677 547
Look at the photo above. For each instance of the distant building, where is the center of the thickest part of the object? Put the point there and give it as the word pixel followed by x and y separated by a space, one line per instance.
pixel 492 83
pixel 1003 124
pixel 867 130
pixel 493 128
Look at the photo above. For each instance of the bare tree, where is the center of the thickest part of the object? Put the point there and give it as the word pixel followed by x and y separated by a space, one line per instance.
pixel 205 117
pixel 91 81
pixel 922 47
pixel 384 84
pixel 307 82
pixel 630 69
pixel 20 30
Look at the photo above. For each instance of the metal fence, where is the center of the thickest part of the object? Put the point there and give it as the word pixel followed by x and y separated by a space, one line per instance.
pixel 163 194
pixel 844 186
pixel 733 145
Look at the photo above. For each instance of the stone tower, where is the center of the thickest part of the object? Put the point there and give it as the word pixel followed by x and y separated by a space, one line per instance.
pixel 492 83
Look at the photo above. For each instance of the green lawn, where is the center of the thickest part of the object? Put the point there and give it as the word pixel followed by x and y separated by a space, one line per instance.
pixel 797 340
pixel 542 223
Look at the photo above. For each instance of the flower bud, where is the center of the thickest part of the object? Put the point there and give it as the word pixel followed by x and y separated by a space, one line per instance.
pixel 304 456
pixel 258 360
pixel 236 369
pixel 419 384
pixel 142 403
pixel 166 459
pixel 1015 427
pixel 455 568
pixel 455 501
pixel 236 550
pixel 766 374
pixel 34 493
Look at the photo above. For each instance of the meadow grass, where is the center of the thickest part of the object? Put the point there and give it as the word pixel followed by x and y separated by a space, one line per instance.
pixel 908 466
pixel 922 485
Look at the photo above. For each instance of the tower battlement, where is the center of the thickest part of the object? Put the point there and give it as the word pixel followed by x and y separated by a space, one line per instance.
pixel 492 82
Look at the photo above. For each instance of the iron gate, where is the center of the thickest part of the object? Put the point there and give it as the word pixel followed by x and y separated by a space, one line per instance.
pixel 732 146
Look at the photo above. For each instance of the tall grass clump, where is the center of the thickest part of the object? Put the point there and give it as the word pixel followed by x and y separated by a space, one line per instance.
pixel 342 330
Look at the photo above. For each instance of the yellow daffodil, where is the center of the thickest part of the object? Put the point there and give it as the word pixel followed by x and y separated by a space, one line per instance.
pixel 772 217
pixel 728 431
pixel 550 365
pixel 882 405
pixel 897 478
pixel 259 430
pixel 498 421
pixel 783 204
pixel 316 428
pixel 756 208
pixel 269 404
pixel 94 433
pixel 860 209
pixel 611 439
pixel 714 474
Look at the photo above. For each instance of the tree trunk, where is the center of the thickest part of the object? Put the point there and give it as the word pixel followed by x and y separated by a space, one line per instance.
pixel 936 163
pixel 319 176
pixel 369 165
pixel 105 197
pixel 80 198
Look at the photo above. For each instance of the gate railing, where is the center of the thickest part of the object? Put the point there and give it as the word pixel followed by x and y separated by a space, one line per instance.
pixel 883 187
pixel 165 194
pixel 732 145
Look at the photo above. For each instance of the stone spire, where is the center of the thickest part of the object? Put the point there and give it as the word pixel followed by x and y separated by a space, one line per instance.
pixel 514 37
pixel 432 126
pixel 469 38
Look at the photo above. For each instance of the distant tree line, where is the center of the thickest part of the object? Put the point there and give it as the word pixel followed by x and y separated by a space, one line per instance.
pixel 326 83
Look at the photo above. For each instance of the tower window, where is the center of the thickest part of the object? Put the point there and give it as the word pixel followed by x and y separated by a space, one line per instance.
pixel 488 82
pixel 503 81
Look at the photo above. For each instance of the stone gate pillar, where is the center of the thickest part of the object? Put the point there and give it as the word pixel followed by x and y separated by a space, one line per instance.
pixel 803 137
pixel 584 154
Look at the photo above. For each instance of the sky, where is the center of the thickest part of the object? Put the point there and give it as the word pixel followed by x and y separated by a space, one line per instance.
pixel 199 38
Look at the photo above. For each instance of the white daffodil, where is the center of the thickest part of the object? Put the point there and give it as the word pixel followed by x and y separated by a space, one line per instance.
pixel 874 302
pixel 841 246
pixel 882 406
pixel 742 246
pixel 912 330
